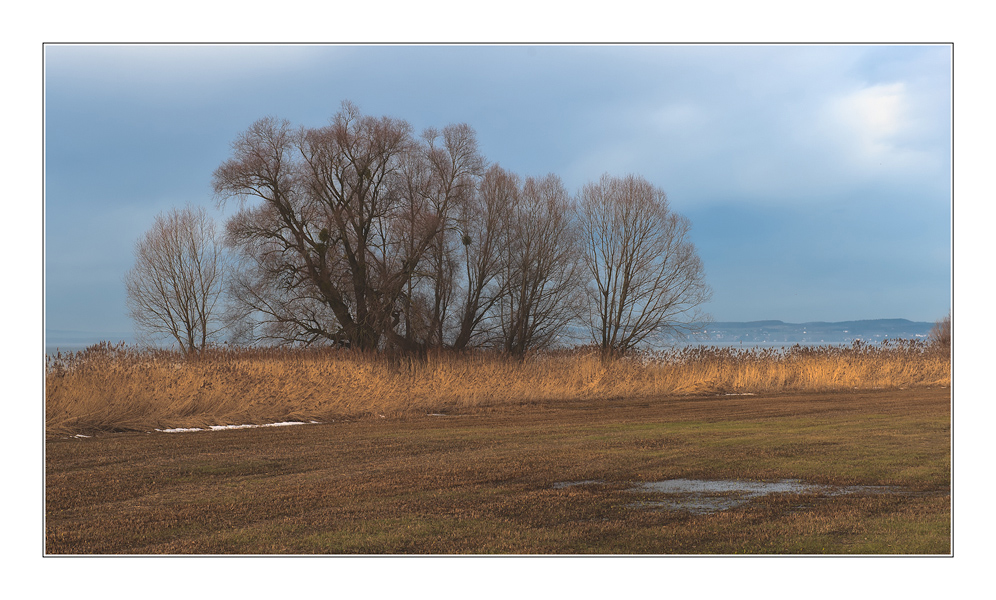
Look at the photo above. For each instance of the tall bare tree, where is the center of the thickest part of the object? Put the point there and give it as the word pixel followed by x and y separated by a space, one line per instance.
pixel 540 269
pixel 441 180
pixel 177 280
pixel 351 224
pixel 645 275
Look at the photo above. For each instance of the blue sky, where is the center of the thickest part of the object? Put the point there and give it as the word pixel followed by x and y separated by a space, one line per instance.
pixel 817 177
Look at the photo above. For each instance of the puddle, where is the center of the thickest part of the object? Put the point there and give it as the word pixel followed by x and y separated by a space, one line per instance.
pixel 707 496
pixel 566 484
pixel 747 488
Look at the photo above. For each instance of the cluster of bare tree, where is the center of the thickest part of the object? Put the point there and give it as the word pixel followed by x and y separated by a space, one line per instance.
pixel 365 235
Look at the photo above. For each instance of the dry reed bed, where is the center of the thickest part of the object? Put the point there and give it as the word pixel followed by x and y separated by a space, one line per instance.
pixel 116 388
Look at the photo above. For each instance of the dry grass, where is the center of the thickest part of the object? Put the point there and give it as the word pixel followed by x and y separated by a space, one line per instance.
pixel 491 483
pixel 117 388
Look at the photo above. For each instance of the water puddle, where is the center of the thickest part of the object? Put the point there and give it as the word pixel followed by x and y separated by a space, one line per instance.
pixel 566 484
pixel 700 496
pixel 708 496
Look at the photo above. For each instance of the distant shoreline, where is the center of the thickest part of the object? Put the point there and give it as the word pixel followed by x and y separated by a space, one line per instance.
pixel 53 349
pixel 723 334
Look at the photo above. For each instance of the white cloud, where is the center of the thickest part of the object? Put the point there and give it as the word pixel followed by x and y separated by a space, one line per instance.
pixel 876 127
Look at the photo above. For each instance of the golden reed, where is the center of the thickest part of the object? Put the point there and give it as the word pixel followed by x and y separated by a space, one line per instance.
pixel 118 388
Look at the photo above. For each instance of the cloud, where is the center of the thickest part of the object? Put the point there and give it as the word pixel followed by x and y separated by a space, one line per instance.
pixel 884 130
pixel 776 126
pixel 880 111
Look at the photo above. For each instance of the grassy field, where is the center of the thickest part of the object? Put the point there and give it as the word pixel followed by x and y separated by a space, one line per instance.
pixel 116 389
pixel 489 476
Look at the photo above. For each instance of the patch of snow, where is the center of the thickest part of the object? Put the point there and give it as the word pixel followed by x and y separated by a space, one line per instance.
pixel 221 427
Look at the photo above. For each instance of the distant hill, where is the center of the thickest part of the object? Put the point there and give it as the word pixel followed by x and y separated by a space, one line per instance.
pixel 816 332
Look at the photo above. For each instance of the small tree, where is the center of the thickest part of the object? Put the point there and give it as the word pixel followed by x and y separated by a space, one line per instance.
pixel 177 280
pixel 940 334
pixel 645 275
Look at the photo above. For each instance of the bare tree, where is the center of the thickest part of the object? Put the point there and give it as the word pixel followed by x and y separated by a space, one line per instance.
pixel 540 268
pixel 318 232
pixel 352 225
pixel 440 186
pixel 645 275
pixel 940 334
pixel 177 280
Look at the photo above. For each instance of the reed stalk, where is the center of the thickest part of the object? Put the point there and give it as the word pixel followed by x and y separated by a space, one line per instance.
pixel 121 388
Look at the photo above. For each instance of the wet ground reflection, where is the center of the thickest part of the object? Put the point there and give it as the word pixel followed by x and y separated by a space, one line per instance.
pixel 706 496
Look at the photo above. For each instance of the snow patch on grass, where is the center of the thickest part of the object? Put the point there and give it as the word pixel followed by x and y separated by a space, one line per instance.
pixel 222 427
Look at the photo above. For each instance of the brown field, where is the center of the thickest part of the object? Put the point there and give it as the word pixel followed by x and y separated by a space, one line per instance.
pixel 484 478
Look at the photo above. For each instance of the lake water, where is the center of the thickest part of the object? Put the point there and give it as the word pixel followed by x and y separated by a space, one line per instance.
pixel 74 341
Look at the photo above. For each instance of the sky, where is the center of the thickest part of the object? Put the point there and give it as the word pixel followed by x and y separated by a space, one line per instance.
pixel 817 177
